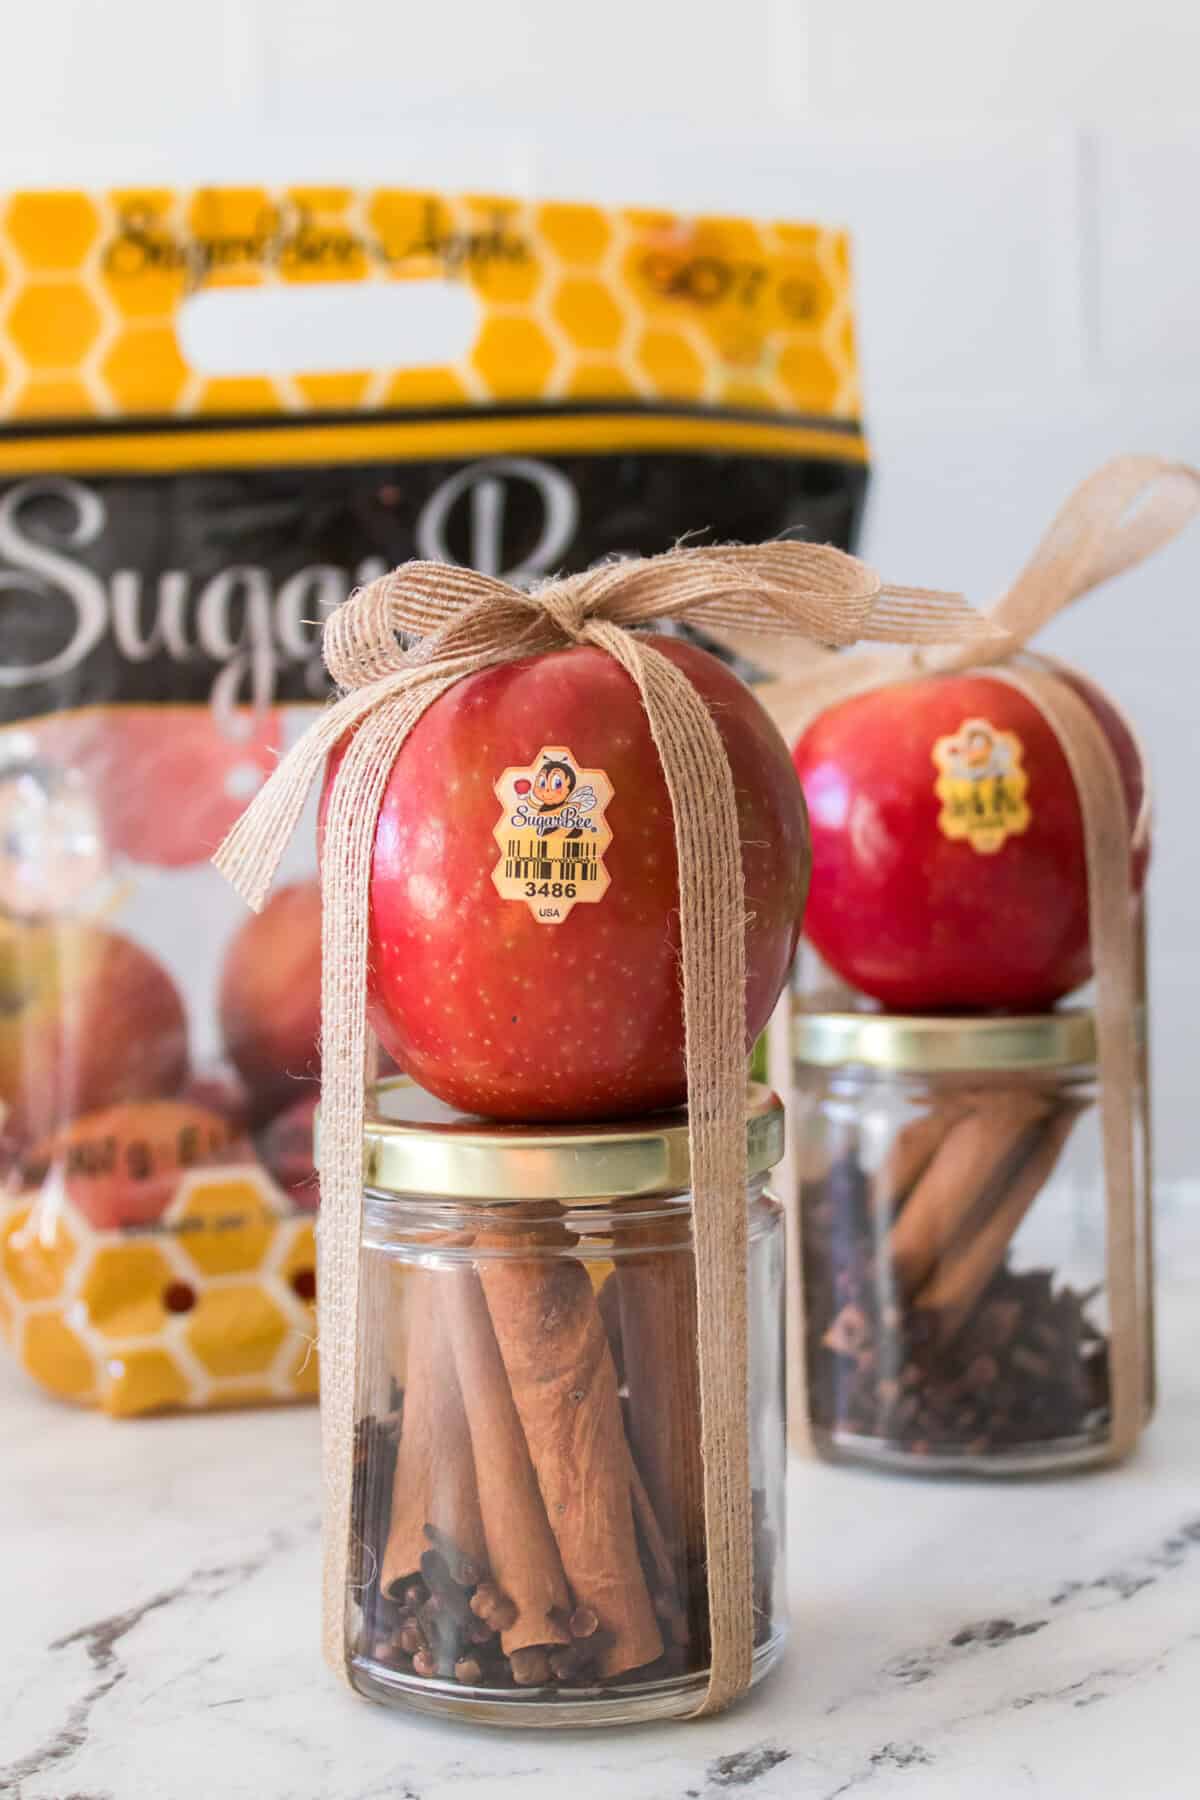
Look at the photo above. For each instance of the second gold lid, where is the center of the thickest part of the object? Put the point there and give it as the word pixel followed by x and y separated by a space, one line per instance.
pixel 943 1044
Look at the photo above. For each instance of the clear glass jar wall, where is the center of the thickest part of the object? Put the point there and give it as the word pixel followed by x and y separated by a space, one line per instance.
pixel 528 1504
pixel 954 1256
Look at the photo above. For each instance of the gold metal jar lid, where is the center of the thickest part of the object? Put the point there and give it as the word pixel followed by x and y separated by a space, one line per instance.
pixel 915 1044
pixel 416 1146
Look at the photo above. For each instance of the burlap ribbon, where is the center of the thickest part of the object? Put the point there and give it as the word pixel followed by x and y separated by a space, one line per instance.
pixel 459 623
pixel 1120 515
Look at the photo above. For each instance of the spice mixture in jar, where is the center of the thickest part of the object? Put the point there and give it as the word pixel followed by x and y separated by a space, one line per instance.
pixel 529 1506
pixel 953 1244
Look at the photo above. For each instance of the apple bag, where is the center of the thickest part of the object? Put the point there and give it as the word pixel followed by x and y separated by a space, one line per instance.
pixel 174 530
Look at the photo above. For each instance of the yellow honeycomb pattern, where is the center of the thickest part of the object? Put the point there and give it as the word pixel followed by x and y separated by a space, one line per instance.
pixel 574 302
pixel 213 1308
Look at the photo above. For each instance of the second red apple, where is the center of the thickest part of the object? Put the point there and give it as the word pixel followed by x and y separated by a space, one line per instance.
pixel 948 860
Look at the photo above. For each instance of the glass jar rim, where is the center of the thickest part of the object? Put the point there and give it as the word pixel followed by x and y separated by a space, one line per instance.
pixel 441 1231
pixel 416 1146
pixel 917 1043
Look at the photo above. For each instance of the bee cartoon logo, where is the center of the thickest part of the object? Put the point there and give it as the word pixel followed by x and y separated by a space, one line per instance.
pixel 553 789
pixel 981 785
pixel 552 834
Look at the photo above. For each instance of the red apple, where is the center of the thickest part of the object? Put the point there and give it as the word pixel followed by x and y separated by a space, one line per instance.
pixel 270 998
pixel 87 1018
pixel 121 1167
pixel 168 782
pixel 920 919
pixel 485 1003
pixel 286 1147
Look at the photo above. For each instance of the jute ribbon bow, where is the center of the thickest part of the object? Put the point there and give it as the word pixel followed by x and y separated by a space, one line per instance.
pixel 1114 520
pixel 458 623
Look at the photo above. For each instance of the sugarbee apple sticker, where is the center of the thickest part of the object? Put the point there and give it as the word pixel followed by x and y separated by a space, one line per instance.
pixel 982 786
pixel 552 834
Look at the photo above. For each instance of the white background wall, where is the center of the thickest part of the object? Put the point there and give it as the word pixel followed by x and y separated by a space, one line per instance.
pixel 1022 181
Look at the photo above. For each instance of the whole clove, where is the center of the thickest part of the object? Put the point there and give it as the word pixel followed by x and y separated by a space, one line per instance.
pixel 495 1609
pixel 530 1667
pixel 583 1622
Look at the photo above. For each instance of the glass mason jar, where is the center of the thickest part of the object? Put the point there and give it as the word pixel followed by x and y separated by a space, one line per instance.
pixel 529 1512
pixel 953 1250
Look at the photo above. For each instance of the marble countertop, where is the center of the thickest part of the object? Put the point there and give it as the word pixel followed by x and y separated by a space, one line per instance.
pixel 158 1632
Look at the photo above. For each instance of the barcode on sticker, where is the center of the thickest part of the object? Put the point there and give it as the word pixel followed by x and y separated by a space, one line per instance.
pixel 533 868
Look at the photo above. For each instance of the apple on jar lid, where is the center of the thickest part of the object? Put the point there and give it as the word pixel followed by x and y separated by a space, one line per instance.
pixel 524 896
pixel 948 853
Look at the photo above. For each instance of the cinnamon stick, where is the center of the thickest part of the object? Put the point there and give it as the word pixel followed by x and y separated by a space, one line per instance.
pixel 434 1482
pixel 564 1386
pixel 961 1276
pixel 523 1556
pixel 976 1153
pixel 910 1153
pixel 657 1290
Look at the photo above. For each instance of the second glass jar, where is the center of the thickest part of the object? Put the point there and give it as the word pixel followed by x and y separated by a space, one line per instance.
pixel 954 1254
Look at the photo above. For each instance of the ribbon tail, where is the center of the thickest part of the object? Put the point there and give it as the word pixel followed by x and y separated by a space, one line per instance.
pixel 355 800
pixel 1106 829
pixel 250 854
pixel 907 615
pixel 713 969
pixel 1119 516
